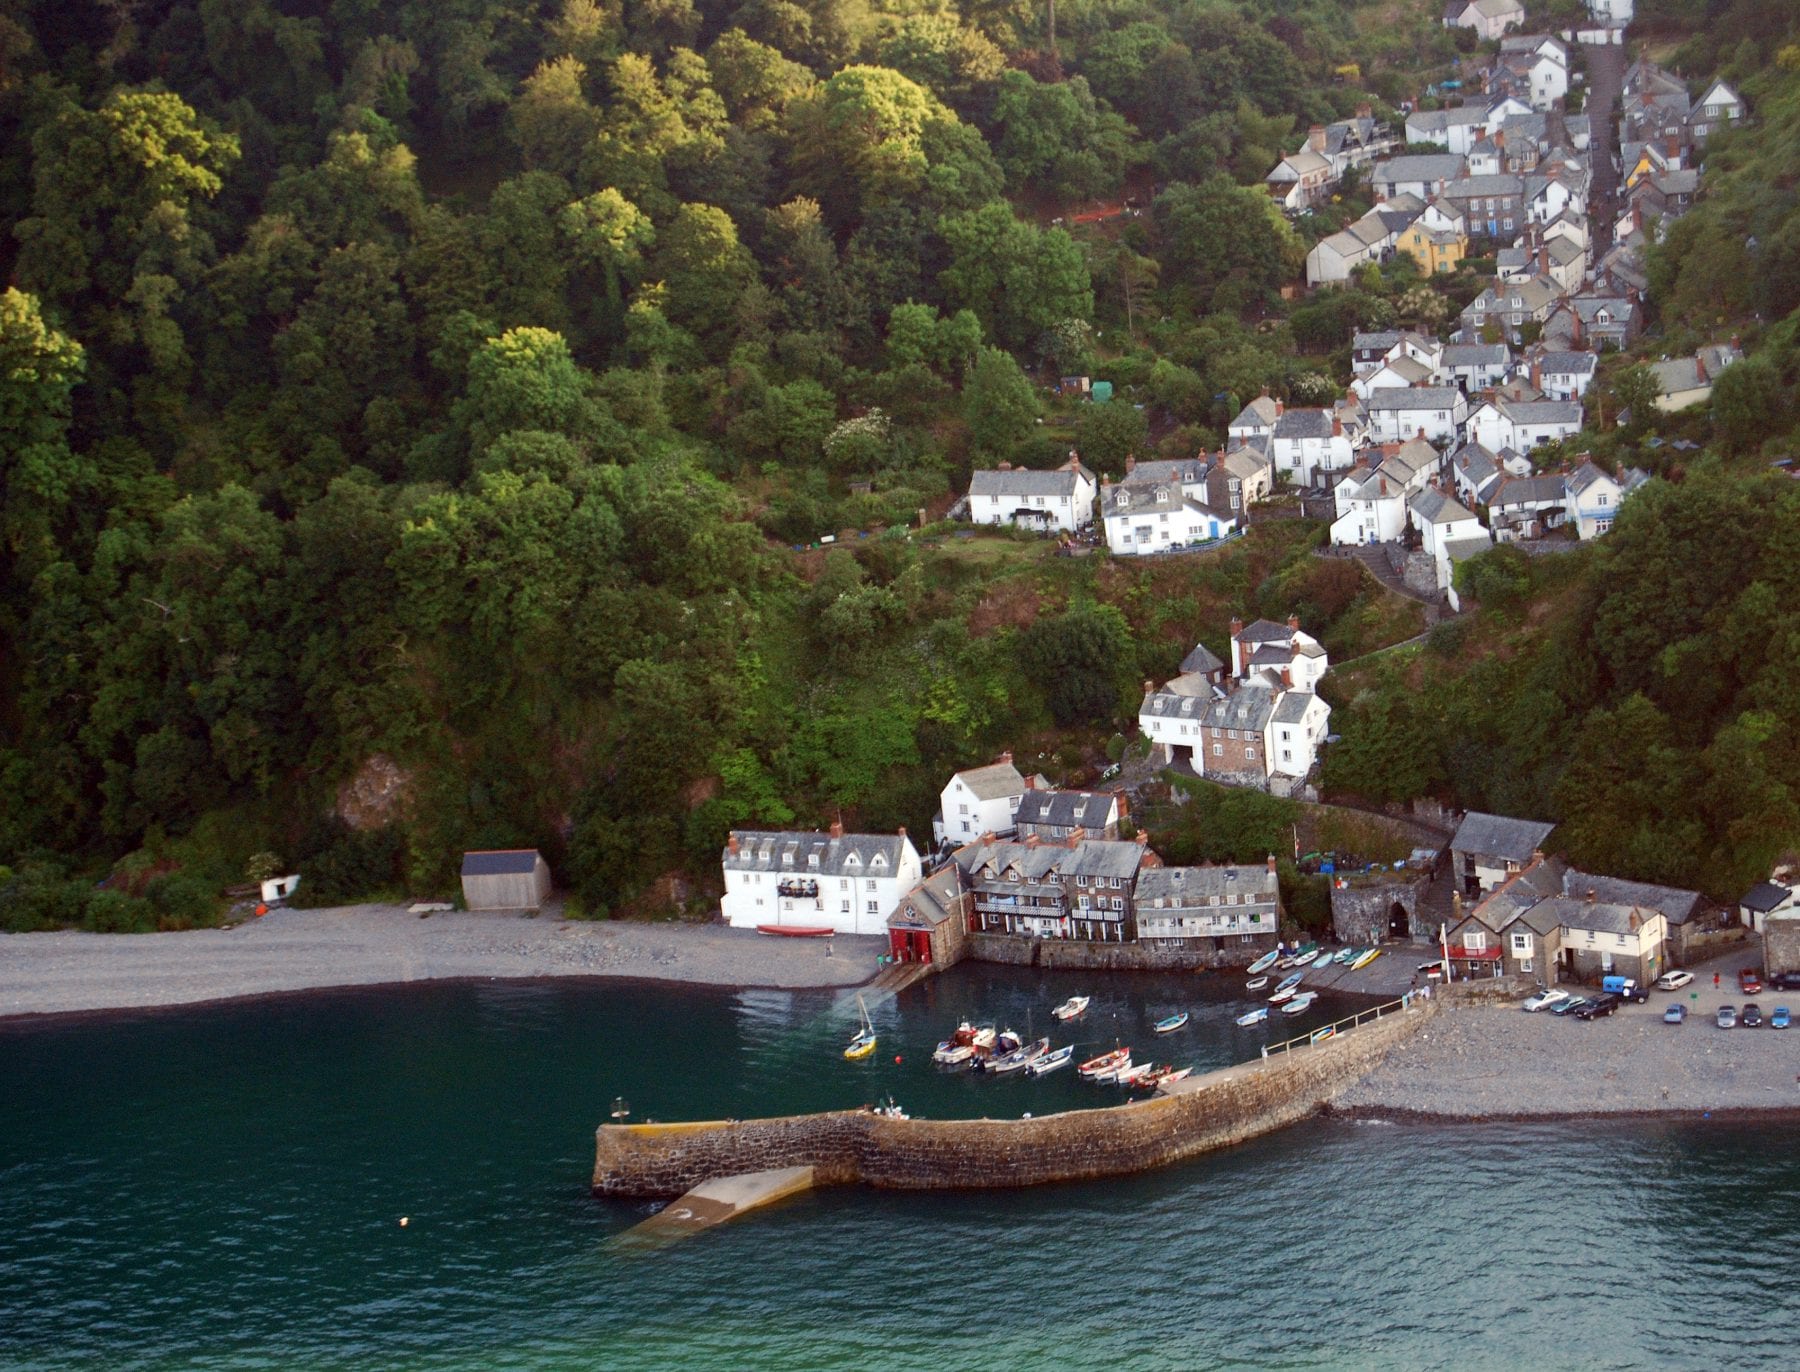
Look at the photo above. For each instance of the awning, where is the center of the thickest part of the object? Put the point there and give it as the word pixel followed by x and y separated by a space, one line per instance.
pixel 1475 954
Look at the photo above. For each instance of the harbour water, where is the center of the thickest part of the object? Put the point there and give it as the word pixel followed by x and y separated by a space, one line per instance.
pixel 221 1188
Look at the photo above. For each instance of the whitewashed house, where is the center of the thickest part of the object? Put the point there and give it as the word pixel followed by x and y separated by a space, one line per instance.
pixel 1295 732
pixel 1423 175
pixel 1371 499
pixel 1255 420
pixel 979 800
pixel 1292 654
pixel 1525 507
pixel 1062 499
pixel 1595 497
pixel 1562 375
pixel 1171 715
pixel 1436 413
pixel 846 882
pixel 1307 444
pixel 1523 424
pixel 1444 526
pixel 1141 517
pixel 1489 18
pixel 1474 366
pixel 1475 473
pixel 1461 128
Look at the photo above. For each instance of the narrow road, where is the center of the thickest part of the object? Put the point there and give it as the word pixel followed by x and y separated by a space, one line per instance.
pixel 1606 75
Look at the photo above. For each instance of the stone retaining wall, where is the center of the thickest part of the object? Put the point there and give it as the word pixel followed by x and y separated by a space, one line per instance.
pixel 1017 951
pixel 1210 1112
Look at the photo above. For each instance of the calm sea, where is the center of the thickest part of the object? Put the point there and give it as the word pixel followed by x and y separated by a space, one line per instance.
pixel 220 1188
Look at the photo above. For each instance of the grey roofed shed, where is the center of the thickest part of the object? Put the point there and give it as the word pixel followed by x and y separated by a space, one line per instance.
pixel 505 879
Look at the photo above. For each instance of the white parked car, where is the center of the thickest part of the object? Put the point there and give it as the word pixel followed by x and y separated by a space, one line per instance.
pixel 1673 981
pixel 1545 1000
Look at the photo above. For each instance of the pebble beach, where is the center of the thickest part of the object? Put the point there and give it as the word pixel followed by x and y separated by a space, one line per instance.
pixel 1496 1062
pixel 287 950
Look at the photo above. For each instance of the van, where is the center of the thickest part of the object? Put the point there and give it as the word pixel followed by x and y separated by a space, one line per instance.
pixel 1626 987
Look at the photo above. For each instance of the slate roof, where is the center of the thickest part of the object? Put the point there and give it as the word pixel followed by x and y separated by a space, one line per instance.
pixel 1303 424
pixel 932 901
pixel 1249 707
pixel 993 781
pixel 1378 342
pixel 1022 481
pixel 1089 809
pixel 1500 836
pixel 1094 857
pixel 1201 659
pixel 1423 167
pixel 1601 915
pixel 1542 411
pixel 1292 707
pixel 1677 905
pixel 1437 507
pixel 1529 490
pixel 1414 398
pixel 1584 476
pixel 1567 364
pixel 1264 631
pixel 1260 412
pixel 1764 897
pixel 790 851
pixel 1191 885
pixel 499 862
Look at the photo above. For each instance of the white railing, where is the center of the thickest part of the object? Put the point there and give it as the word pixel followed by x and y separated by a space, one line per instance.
pixel 1330 1031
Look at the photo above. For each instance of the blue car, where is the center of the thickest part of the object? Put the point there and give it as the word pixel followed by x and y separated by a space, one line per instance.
pixel 1675 1014
pixel 1779 1020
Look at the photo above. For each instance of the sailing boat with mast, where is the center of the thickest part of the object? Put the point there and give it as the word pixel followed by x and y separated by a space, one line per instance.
pixel 864 1042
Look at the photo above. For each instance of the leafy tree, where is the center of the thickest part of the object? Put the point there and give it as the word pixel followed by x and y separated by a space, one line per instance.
pixel 1080 658
pixel 1227 245
pixel 1108 434
pixel 1019 280
pixel 998 401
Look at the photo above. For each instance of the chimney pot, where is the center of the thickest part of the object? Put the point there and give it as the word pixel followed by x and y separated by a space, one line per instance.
pixel 1032 840
pixel 1294 622
pixel 1130 463
pixel 1149 686
pixel 1590 895
pixel 1143 838
pixel 1237 626
pixel 1006 757
pixel 1278 409
pixel 837 827
pixel 1271 862
pixel 731 843
pixel 1006 466
pixel 1076 835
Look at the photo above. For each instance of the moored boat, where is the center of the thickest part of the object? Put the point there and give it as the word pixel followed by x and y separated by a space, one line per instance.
pixel 1256 983
pixel 1007 1041
pixel 1140 1075
pixel 1300 1002
pixel 1071 1007
pixel 864 1042
pixel 1110 1076
pixel 1322 960
pixel 1170 1078
pixel 983 1039
pixel 1286 989
pixel 1256 1016
pixel 1263 963
pixel 952 1054
pixel 1061 1057
pixel 1364 959
pixel 797 930
pixel 1019 1057
pixel 1172 1023
pixel 1343 955
pixel 1105 1062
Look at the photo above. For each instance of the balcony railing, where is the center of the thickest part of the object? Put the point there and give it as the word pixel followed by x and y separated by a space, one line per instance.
pixel 808 890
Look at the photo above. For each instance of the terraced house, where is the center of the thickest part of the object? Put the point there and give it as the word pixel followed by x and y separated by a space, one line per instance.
pixel 1080 888
pixel 1210 909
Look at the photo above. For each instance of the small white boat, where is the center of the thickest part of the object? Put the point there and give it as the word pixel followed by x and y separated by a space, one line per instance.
pixel 1172 1023
pixel 1071 1007
pixel 1019 1058
pixel 983 1041
pixel 1051 1061
pixel 1286 989
pixel 950 1053
pixel 1323 959
pixel 1256 983
pixel 1256 1016
pixel 1300 1002
pixel 1170 1078
pixel 1262 964
pixel 1110 1076
pixel 1144 1074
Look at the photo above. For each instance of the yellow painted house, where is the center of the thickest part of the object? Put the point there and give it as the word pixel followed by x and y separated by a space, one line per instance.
pixel 1435 250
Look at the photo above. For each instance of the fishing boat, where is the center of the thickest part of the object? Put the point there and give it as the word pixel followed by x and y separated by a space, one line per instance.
pixel 1263 963
pixel 1170 1078
pixel 1322 960
pixel 983 1040
pixel 1300 957
pixel 1286 989
pixel 1051 1061
pixel 1105 1062
pixel 1149 1075
pixel 864 1042
pixel 950 1053
pixel 1110 1076
pixel 1256 983
pixel 1365 959
pixel 1256 1016
pixel 1140 1075
pixel 1172 1023
pixel 797 930
pixel 1071 1007
pixel 1300 1002
pixel 1019 1057
pixel 1007 1041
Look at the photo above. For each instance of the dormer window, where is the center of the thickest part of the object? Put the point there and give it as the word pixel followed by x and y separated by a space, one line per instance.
pixel 878 861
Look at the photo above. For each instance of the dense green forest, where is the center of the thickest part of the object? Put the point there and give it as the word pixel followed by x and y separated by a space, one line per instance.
pixel 408 410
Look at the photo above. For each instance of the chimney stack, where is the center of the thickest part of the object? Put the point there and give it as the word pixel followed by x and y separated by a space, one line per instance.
pixel 1365 111
pixel 1278 409
pixel 1143 838
pixel 837 827
pixel 1590 895
pixel 1076 835
pixel 1294 622
pixel 1237 626
pixel 1006 466
pixel 731 843
pixel 1271 862
pixel 1149 686
pixel 1130 463
pixel 1537 373
pixel 1032 840
pixel 1315 138
pixel 1006 757
pixel 901 830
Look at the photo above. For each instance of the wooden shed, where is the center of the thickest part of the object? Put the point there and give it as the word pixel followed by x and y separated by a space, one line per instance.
pixel 505 879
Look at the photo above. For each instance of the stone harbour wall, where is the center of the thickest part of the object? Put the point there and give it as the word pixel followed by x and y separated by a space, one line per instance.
pixel 1016 951
pixel 1207 1113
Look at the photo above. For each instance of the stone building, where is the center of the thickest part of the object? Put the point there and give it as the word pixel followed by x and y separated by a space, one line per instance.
pixel 1211 909
pixel 1380 909
pixel 1488 849
pixel 931 922
pixel 1781 943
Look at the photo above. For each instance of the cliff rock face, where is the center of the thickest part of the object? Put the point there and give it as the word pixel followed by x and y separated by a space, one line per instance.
pixel 378 795
pixel 1207 1113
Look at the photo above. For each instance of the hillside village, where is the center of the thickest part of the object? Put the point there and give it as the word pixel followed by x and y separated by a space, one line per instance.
pixel 1434 450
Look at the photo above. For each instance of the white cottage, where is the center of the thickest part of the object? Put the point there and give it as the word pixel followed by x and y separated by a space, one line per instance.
pixel 846 882
pixel 1056 500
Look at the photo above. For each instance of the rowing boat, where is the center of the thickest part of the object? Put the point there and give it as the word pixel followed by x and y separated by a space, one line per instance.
pixel 1256 983
pixel 797 930
pixel 1256 1016
pixel 1262 964
pixel 1365 959
pixel 1051 1061
pixel 1172 1023
pixel 1105 1062
pixel 1300 1002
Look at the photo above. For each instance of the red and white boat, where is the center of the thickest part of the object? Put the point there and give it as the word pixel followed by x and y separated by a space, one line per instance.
pixel 1106 1062
pixel 797 930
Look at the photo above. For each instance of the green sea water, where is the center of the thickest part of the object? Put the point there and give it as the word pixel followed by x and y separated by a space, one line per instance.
pixel 221 1188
